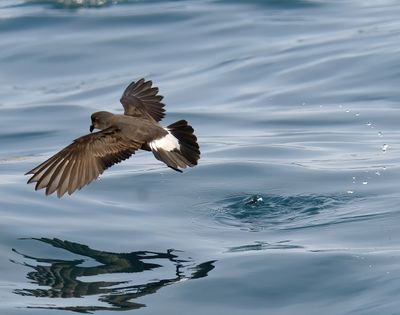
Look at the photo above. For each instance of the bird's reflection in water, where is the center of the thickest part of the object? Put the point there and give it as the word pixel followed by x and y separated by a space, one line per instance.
pixel 61 276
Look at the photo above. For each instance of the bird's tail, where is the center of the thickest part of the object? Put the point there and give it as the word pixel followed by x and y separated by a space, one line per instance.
pixel 179 148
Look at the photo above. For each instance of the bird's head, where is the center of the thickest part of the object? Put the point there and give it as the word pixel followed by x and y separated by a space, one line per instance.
pixel 100 120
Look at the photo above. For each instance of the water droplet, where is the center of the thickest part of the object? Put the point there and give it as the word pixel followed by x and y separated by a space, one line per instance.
pixel 385 147
pixel 357 114
pixel 254 201
pixel 347 110
pixel 350 192
pixel 384 168
pixel 365 182
pixel 378 173
pixel 380 134
pixel 369 124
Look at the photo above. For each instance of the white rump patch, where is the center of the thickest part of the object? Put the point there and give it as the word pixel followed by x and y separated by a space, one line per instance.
pixel 168 142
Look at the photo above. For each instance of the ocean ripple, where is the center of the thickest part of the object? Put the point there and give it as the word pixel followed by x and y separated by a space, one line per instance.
pixel 76 3
pixel 258 212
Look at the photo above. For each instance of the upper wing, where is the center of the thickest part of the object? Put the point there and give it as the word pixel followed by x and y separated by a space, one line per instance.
pixel 82 161
pixel 141 100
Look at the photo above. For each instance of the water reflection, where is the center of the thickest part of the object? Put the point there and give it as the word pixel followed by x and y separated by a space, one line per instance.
pixel 258 245
pixel 61 276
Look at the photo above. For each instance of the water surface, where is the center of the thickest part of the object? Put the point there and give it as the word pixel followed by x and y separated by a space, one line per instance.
pixel 294 206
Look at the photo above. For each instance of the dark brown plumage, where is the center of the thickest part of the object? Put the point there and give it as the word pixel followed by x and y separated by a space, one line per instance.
pixel 141 100
pixel 119 137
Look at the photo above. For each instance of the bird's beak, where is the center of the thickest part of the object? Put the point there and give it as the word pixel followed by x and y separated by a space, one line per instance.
pixel 91 128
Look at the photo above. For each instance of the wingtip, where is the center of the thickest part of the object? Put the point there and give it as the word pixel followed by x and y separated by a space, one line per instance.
pixel 37 186
pixel 175 169
pixel 59 195
pixel 143 80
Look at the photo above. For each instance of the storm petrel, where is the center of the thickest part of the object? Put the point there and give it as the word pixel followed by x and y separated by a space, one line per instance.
pixel 119 137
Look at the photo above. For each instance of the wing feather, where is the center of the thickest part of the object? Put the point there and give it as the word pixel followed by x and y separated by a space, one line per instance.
pixel 44 178
pixel 73 177
pixel 140 99
pixel 54 181
pixel 39 170
pixel 64 180
pixel 83 161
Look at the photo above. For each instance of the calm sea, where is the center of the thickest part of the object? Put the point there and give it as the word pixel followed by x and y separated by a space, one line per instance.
pixel 295 205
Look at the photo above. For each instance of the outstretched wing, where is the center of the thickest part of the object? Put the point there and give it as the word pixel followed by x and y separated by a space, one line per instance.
pixel 82 161
pixel 141 100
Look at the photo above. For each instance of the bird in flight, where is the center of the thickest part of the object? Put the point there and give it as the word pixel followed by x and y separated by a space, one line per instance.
pixel 119 137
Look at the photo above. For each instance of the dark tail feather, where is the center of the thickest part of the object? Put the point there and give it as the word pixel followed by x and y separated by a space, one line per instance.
pixel 187 140
pixel 189 151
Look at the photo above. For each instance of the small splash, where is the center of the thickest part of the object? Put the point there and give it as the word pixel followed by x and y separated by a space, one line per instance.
pixel 257 212
pixel 254 201
pixel 380 134
pixel 369 124
pixel 77 3
pixel 365 182
pixel 350 192
pixel 385 147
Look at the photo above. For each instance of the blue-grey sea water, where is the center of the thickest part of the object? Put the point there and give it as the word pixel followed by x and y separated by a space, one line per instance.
pixel 294 207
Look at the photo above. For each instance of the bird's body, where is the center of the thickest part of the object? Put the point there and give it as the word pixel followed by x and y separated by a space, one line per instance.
pixel 119 137
pixel 138 129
